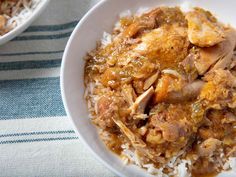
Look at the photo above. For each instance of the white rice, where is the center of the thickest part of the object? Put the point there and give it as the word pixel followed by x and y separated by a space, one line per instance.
pixel 232 163
pixel 141 47
pixel 23 14
pixel 142 10
pixel 126 13
pixel 106 39
pixel 152 170
pixel 182 170
pixel 179 166
pixel 171 72
pixel 186 6
pixel 226 166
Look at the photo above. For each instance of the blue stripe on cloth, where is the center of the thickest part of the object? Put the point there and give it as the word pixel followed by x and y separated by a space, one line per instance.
pixel 31 98
pixel 37 140
pixel 19 65
pixel 43 28
pixel 37 133
pixel 31 53
pixel 42 37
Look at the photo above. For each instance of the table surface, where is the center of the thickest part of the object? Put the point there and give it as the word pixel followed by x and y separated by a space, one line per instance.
pixel 36 137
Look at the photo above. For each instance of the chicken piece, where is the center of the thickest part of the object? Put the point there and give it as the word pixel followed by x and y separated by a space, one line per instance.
pixel 154 137
pixel 198 111
pixel 169 128
pixel 113 76
pixel 208 147
pixel 203 28
pixel 139 26
pixel 150 81
pixel 204 167
pixel 106 110
pixel 173 90
pixel 233 64
pixel 170 81
pixel 135 140
pixel 213 94
pixel 204 152
pixel 219 90
pixel 167 44
pixel 218 56
pixel 155 18
pixel 229 118
pixel 221 76
pixel 232 152
pixel 2 22
pixel 138 143
pixel 161 91
pixel 188 65
pixel 141 102
pixel 228 56
pixel 170 131
pixel 189 92
pixel 218 126
pixel 205 133
pixel 129 94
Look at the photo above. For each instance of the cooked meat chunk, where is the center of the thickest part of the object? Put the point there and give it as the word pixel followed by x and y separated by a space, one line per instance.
pixel 227 56
pixel 169 83
pixel 169 128
pixel 167 44
pixel 105 111
pixel 189 67
pixel 217 127
pixel 216 57
pixel 150 81
pixel 204 167
pixel 172 89
pixel 129 94
pixel 138 143
pixel 153 19
pixel 141 102
pixel 189 92
pixel 203 28
pixel 208 147
pixel 219 91
pixel 221 76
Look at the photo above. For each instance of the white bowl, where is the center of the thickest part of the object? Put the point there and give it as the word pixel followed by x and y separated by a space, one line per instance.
pixel 101 18
pixel 20 28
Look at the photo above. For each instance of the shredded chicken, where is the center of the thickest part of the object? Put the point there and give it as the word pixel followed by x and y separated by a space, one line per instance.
pixel 208 147
pixel 216 57
pixel 141 102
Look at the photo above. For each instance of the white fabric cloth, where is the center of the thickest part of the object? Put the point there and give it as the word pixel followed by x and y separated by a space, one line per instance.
pixel 36 137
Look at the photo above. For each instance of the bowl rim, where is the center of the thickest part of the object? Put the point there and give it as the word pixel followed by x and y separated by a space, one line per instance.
pixel 62 86
pixel 20 28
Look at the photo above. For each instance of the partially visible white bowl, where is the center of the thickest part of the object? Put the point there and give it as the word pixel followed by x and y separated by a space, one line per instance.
pixel 83 39
pixel 20 28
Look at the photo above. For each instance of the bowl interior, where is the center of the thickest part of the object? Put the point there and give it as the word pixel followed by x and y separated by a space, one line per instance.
pixel 90 29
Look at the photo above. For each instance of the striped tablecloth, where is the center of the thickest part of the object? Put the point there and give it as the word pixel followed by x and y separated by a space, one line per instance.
pixel 36 137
